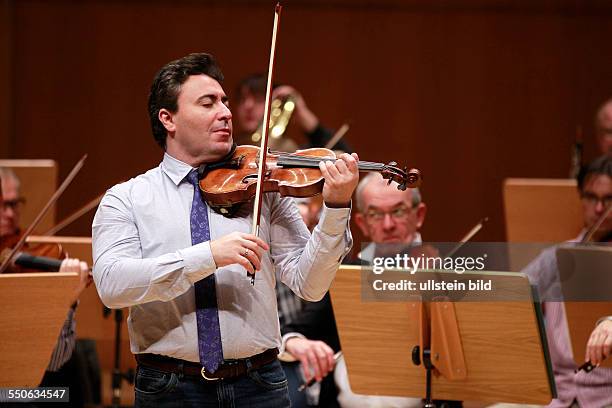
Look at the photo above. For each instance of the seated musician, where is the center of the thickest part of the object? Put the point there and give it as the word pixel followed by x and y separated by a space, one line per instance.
pixel 314 354
pixel 249 111
pixel 385 215
pixel 62 370
pixel 592 389
pixel 201 332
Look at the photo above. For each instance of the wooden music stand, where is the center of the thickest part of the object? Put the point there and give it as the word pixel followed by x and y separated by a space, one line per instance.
pixel 591 265
pixel 38 183
pixel 501 356
pixel 539 211
pixel 34 307
pixel 92 324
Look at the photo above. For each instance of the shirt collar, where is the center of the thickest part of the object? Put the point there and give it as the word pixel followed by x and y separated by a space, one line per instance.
pixel 174 168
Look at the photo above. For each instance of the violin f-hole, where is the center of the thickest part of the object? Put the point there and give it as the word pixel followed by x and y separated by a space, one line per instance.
pixel 249 177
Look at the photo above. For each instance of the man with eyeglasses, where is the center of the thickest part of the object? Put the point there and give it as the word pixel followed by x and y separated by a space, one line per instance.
pixel 603 127
pixel 63 369
pixel 387 215
pixel 582 389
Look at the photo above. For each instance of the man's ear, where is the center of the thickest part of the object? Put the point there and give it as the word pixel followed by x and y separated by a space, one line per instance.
pixel 166 118
pixel 361 222
pixel 421 211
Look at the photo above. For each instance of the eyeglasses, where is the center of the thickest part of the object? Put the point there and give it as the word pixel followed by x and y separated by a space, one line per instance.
pixel 592 199
pixel 397 214
pixel 13 204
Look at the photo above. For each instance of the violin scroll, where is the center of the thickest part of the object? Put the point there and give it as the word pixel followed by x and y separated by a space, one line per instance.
pixel 404 178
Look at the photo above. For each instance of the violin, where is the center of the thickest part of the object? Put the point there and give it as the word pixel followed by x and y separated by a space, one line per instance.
pixel 32 257
pixel 233 180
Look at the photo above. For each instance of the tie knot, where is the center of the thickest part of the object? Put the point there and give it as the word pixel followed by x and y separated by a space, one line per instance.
pixel 192 177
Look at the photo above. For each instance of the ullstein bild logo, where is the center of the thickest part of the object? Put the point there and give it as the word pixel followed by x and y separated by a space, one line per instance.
pixel 433 285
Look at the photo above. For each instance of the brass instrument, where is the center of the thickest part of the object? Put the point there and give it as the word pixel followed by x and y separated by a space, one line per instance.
pixel 280 115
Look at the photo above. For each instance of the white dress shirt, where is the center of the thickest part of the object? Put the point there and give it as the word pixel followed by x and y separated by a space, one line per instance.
pixel 144 260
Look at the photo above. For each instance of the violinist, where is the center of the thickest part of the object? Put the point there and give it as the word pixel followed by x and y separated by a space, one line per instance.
pixel 201 332
pixel 249 111
pixel 63 370
pixel 585 389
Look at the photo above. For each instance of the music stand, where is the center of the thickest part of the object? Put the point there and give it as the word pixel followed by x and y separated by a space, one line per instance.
pixel 117 362
pixel 530 217
pixel 503 344
pixel 34 307
pixel 586 284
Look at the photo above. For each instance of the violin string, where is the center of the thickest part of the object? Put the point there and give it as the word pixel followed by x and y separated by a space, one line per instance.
pixel 315 163
pixel 290 156
pixel 309 158
pixel 298 160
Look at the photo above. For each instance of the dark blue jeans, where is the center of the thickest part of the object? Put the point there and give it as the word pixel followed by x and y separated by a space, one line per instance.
pixel 262 388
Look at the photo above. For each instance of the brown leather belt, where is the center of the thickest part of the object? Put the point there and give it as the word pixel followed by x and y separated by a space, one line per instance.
pixel 227 369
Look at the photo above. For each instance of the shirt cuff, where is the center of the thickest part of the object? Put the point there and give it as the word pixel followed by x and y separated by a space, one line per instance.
pixel 603 319
pixel 283 354
pixel 198 261
pixel 334 221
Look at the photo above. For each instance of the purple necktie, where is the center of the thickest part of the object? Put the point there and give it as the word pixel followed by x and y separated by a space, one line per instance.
pixel 207 315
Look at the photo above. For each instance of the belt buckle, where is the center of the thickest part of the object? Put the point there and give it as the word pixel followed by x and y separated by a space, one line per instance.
pixel 203 372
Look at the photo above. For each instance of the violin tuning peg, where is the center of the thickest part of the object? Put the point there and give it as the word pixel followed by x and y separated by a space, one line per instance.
pixel 393 163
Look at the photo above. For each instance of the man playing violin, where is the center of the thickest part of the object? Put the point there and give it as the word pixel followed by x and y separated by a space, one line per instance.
pixel 584 389
pixel 201 332
pixel 63 370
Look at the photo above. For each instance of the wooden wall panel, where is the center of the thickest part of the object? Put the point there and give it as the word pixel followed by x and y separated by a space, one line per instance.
pixel 471 92
pixel 6 100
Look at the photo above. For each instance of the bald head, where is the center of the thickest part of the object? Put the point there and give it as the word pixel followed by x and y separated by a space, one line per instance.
pixel 374 183
pixel 386 214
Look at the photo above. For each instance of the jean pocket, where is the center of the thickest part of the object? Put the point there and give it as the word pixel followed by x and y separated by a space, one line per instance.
pixel 150 381
pixel 271 376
